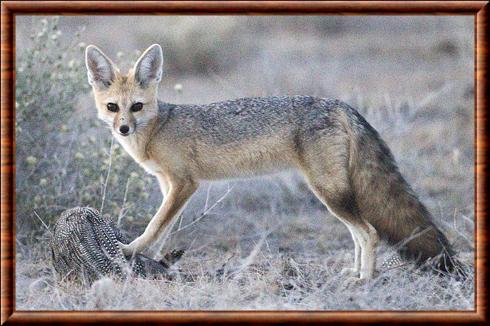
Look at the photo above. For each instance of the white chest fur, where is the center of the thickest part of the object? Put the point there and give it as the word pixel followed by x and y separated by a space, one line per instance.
pixel 151 167
pixel 135 149
pixel 131 146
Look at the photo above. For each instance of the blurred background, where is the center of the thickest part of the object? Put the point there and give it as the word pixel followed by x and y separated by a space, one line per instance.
pixel 412 77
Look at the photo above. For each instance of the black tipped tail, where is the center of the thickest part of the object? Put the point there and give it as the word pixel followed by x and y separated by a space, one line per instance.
pixel 431 251
pixel 428 248
pixel 446 264
pixel 388 203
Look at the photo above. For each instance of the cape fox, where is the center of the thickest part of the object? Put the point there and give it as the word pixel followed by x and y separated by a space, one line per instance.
pixel 342 157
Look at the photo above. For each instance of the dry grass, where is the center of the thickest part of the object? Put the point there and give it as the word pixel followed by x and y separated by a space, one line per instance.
pixel 412 78
pixel 271 282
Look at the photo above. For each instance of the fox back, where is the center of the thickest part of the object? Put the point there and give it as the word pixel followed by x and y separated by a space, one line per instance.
pixel 243 137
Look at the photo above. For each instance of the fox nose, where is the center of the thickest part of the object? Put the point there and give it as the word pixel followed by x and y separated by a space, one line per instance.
pixel 124 129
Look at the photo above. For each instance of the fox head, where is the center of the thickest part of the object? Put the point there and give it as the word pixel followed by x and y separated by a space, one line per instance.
pixel 125 102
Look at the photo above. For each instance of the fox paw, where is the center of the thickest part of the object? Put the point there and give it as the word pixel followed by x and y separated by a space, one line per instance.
pixel 353 281
pixel 127 249
pixel 351 272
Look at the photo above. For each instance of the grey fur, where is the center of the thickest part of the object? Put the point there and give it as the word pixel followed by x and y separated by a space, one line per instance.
pixel 374 190
pixel 224 127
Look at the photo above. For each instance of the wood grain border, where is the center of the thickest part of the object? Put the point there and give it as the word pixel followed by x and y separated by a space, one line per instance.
pixel 9 9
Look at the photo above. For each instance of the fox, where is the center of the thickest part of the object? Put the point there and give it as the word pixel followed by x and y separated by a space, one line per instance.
pixel 342 158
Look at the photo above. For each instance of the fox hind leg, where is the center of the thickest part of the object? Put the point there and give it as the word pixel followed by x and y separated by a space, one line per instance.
pixel 368 241
pixel 363 233
pixel 331 184
pixel 365 241
pixel 356 269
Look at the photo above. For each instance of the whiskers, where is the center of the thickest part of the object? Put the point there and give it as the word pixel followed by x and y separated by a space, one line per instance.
pixel 140 126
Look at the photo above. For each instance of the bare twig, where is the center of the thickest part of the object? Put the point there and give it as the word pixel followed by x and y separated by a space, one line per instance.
pixel 107 177
pixel 445 88
pixel 40 219
pixel 203 214
pixel 122 212
pixel 414 235
pixel 247 261
pixel 207 197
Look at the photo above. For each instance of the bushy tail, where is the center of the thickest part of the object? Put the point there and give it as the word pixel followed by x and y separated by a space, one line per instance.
pixel 388 202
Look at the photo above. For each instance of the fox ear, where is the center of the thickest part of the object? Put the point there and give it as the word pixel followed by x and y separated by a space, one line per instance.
pixel 148 68
pixel 100 69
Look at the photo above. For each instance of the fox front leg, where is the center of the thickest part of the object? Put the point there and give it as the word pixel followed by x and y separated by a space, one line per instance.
pixel 179 191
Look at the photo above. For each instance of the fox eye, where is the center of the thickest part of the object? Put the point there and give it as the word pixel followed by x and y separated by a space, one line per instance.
pixel 136 107
pixel 112 107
